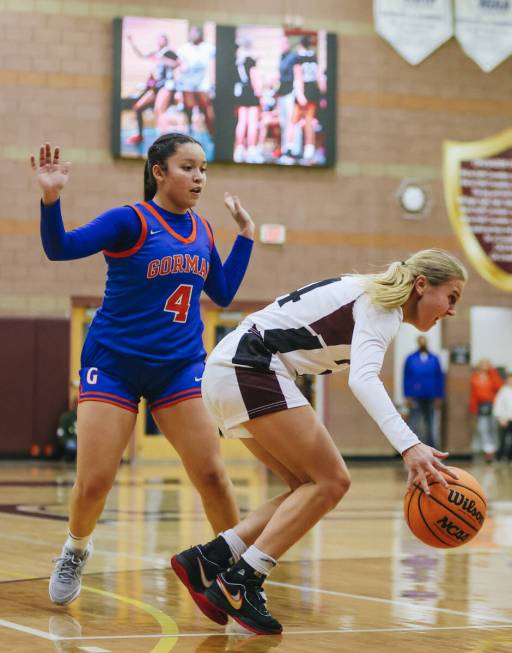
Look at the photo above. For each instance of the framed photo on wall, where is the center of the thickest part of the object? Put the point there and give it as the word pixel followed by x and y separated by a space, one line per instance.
pixel 276 97
pixel 248 94
pixel 164 81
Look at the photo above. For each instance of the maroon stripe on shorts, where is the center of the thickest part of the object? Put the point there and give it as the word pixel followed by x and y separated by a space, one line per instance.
pixel 260 391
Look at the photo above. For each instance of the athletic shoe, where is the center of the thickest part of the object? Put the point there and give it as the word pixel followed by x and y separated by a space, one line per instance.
pixel 134 139
pixel 254 155
pixel 66 578
pixel 240 594
pixel 239 154
pixel 198 573
pixel 287 159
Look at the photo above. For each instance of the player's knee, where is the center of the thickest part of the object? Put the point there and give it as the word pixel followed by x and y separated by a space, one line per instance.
pixel 94 488
pixel 294 481
pixel 213 480
pixel 334 488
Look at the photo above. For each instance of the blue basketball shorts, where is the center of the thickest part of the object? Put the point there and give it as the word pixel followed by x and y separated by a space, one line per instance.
pixel 113 378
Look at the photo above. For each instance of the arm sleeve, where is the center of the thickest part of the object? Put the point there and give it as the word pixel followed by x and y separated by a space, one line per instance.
pixel 115 230
pixel 373 331
pixel 223 281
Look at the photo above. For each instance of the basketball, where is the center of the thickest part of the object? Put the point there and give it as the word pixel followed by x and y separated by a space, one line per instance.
pixel 450 516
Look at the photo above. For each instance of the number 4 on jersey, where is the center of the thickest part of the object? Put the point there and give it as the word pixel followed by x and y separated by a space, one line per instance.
pixel 179 303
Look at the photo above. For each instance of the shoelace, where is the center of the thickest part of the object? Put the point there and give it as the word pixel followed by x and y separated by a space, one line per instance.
pixel 222 564
pixel 259 598
pixel 70 566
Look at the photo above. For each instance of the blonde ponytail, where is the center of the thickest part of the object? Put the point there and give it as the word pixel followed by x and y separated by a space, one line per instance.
pixel 392 288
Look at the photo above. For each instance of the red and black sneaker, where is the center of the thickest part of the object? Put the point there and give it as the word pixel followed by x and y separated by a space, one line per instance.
pixel 198 573
pixel 135 139
pixel 239 593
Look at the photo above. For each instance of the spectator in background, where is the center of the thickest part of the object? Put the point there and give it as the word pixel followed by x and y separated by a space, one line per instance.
pixel 269 123
pixel 196 70
pixel 247 92
pixel 485 383
pixel 309 86
pixel 286 96
pixel 502 411
pixel 423 390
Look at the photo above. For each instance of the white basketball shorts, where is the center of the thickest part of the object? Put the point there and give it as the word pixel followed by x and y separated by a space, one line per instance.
pixel 235 393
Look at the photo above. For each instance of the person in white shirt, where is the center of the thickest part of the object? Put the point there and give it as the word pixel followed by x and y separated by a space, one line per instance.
pixel 502 411
pixel 196 75
pixel 248 386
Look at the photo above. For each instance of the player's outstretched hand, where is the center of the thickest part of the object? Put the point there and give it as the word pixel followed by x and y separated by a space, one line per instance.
pixel 240 215
pixel 52 175
pixel 423 461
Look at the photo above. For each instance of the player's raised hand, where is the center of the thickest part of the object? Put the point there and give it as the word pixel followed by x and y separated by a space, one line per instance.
pixel 423 461
pixel 240 215
pixel 52 175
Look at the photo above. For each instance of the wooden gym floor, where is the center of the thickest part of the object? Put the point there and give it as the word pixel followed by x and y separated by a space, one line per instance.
pixel 358 582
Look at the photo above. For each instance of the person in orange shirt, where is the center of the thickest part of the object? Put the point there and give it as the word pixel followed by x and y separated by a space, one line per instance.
pixel 485 383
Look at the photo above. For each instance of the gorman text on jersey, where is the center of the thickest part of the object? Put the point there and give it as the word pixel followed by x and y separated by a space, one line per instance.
pixel 178 263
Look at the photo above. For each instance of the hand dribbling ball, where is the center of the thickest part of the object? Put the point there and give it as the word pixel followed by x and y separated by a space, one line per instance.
pixel 450 516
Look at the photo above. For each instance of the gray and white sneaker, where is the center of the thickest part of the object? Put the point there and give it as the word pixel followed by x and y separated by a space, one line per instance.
pixel 66 578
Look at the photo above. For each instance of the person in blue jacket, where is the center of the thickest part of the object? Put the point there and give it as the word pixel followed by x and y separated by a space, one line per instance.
pixel 423 390
pixel 146 338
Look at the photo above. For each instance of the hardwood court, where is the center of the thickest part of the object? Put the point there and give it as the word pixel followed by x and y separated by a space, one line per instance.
pixel 358 582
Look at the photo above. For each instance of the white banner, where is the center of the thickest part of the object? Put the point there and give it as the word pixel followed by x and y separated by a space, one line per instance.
pixel 415 28
pixel 484 30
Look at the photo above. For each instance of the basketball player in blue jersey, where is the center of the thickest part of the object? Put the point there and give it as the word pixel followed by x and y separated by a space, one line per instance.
pixel 146 338
pixel 248 385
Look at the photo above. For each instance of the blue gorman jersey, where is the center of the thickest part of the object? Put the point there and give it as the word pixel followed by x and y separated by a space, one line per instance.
pixel 151 306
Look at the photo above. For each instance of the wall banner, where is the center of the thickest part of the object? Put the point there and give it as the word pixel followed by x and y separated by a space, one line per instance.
pixel 484 30
pixel 478 194
pixel 415 28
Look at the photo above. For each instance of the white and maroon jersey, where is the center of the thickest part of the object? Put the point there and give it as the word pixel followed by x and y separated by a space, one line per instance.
pixel 311 329
pixel 323 328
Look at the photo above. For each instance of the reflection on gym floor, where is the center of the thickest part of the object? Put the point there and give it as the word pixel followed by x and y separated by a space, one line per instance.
pixel 359 581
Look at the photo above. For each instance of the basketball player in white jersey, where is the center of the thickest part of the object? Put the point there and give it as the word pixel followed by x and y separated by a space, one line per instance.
pixel 248 386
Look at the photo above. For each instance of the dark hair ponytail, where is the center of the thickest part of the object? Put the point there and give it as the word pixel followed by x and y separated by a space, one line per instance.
pixel 149 183
pixel 158 153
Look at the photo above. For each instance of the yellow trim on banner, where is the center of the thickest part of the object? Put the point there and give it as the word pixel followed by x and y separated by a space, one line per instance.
pixel 454 152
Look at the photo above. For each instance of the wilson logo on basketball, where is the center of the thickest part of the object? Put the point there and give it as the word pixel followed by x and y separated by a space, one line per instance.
pixel 448 516
pixel 469 506
pixel 452 529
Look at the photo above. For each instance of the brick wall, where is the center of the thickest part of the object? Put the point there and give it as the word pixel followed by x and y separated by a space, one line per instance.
pixel 55 84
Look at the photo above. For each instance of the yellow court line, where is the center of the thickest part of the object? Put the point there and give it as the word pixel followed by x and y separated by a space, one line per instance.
pixel 167 624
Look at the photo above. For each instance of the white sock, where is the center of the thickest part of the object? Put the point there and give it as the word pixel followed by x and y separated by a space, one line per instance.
pixel 259 560
pixel 236 545
pixel 78 544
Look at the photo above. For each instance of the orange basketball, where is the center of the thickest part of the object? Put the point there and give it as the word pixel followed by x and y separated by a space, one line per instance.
pixel 450 516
